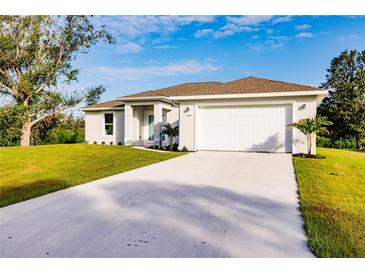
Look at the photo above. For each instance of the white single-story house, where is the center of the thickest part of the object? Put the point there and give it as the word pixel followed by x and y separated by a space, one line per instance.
pixel 249 114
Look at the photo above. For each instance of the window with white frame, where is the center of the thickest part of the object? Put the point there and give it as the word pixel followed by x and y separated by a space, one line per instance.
pixel 108 123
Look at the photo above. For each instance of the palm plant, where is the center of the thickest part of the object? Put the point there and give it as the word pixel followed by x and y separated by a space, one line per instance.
pixel 310 126
pixel 171 132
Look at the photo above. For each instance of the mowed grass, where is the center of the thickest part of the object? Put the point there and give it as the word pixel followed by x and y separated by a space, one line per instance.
pixel 28 172
pixel 332 197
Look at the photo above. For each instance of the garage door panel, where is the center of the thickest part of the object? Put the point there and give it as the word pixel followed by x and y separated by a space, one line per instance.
pixel 244 128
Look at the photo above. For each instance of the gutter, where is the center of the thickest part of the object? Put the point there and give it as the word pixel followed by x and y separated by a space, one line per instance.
pixel 103 108
pixel 251 95
pixel 147 98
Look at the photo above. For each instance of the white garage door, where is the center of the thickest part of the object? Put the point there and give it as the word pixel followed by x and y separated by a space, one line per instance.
pixel 245 128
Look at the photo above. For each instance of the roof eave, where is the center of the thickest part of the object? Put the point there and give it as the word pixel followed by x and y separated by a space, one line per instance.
pixel 144 98
pixel 102 108
pixel 251 95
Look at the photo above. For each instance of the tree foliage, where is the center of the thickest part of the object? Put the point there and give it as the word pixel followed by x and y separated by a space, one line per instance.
pixel 10 125
pixel 36 55
pixel 345 104
pixel 310 126
pixel 171 132
pixel 69 130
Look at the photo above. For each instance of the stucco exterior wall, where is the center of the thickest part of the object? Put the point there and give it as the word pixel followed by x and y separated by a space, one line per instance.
pixel 305 107
pixel 119 129
pixel 138 125
pixel 173 116
pixel 189 115
pixel 187 126
pixel 94 127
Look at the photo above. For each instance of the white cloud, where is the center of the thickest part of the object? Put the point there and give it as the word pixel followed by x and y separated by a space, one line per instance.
pixel 186 20
pixel 303 35
pixel 230 30
pixel 137 26
pixel 347 37
pixel 203 33
pixel 238 24
pixel 282 19
pixel 223 33
pixel 165 47
pixel 266 45
pixel 161 40
pixel 129 47
pixel 237 28
pixel 303 27
pixel 234 24
pixel 170 69
pixel 280 37
pixel 248 20
pixel 129 29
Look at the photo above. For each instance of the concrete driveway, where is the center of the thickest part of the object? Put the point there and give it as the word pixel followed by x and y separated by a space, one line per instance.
pixel 204 204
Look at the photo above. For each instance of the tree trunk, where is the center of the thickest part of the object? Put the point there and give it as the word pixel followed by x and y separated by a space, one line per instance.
pixel 25 134
pixel 171 144
pixel 358 142
pixel 309 144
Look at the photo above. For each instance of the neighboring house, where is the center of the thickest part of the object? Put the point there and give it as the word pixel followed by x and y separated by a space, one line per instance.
pixel 250 114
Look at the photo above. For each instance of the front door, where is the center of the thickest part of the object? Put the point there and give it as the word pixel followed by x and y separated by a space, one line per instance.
pixel 150 119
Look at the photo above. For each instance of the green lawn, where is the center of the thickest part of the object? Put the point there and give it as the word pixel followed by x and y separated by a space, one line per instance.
pixel 332 197
pixel 28 172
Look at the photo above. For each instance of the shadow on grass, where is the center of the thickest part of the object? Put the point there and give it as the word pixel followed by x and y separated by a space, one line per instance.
pixel 15 194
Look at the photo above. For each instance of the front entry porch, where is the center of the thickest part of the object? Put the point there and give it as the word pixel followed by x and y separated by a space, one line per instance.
pixel 143 123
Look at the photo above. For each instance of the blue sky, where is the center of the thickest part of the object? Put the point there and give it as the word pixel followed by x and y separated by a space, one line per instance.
pixel 158 51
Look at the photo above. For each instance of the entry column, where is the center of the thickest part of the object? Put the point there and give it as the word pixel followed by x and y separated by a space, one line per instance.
pixel 128 122
pixel 157 119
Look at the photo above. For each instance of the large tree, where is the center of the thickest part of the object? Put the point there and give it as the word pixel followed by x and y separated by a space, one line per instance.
pixel 36 54
pixel 345 104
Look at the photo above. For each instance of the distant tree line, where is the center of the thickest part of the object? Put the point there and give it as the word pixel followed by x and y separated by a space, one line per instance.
pixel 56 129
pixel 345 104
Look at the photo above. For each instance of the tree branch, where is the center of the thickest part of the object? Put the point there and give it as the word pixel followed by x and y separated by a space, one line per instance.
pixel 10 91
pixel 49 75
pixel 11 82
pixel 32 123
